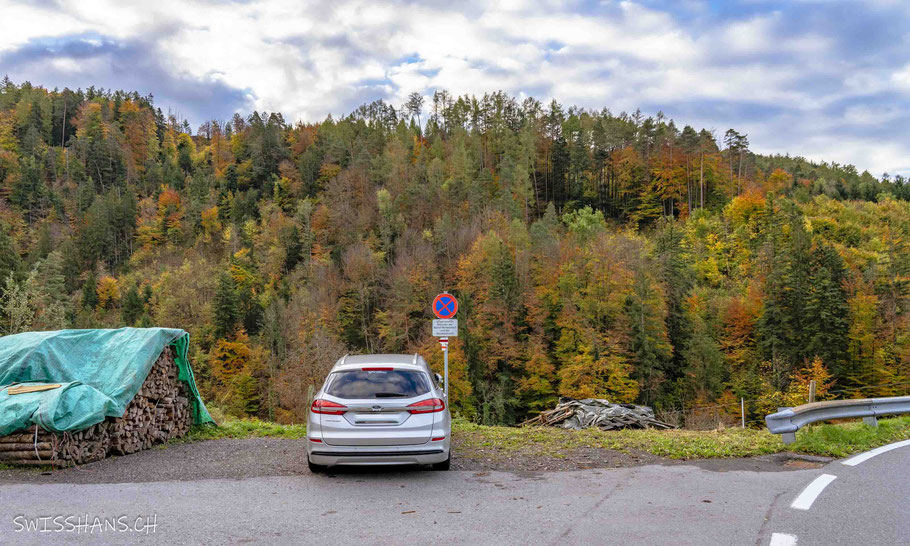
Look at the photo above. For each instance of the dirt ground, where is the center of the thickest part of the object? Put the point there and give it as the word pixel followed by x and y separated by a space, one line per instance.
pixel 257 457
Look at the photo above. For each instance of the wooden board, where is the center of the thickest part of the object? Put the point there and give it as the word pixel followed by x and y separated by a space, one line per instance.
pixel 22 389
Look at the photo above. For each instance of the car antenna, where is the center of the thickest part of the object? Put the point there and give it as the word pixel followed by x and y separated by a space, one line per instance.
pixel 415 359
pixel 344 358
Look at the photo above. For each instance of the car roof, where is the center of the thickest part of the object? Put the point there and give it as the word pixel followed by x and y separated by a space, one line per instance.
pixel 411 361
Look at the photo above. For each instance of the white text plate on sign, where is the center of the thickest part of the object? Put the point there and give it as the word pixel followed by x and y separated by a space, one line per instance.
pixel 445 327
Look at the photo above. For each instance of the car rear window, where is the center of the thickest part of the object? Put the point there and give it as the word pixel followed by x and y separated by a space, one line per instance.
pixel 377 384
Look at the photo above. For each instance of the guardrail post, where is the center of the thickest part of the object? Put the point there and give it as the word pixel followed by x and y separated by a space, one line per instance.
pixel 787 437
pixel 742 409
pixel 871 421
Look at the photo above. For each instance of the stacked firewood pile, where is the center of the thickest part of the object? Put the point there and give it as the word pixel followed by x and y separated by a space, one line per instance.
pixel 158 413
pixel 596 412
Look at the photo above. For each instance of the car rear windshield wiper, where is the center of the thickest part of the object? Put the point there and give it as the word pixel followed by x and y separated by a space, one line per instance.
pixel 390 395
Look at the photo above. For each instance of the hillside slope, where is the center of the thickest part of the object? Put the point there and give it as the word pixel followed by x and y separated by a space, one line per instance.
pixel 594 254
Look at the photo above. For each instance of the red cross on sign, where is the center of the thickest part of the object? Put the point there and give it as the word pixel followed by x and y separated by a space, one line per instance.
pixel 445 306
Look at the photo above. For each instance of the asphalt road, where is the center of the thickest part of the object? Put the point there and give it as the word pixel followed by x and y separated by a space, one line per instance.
pixel 864 504
pixel 868 503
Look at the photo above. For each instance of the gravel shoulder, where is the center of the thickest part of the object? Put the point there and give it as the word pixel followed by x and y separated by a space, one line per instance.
pixel 260 457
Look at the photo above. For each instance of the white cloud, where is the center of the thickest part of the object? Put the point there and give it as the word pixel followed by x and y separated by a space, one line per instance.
pixel 309 59
pixel 66 64
pixel 902 77
pixel 864 114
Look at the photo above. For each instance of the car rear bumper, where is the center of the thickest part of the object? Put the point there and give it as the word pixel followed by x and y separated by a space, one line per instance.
pixel 434 452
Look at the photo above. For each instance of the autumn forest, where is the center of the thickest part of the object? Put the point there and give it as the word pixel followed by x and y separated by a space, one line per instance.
pixel 594 253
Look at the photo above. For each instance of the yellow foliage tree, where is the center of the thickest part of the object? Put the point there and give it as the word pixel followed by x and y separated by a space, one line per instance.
pixel 744 207
pixel 798 391
pixel 603 376
pixel 8 141
pixel 170 214
pixel 140 135
pixel 778 181
pixel 108 292
pixel 237 367
pixel 210 224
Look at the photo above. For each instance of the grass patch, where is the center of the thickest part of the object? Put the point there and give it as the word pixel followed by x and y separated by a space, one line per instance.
pixel 244 428
pixel 29 468
pixel 554 442
pixel 473 440
pixel 847 439
pixel 839 440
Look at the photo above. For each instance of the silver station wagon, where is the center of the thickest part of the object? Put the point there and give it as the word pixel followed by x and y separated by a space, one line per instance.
pixel 380 410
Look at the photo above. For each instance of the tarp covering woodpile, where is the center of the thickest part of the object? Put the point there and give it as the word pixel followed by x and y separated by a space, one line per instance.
pixel 597 412
pixel 83 393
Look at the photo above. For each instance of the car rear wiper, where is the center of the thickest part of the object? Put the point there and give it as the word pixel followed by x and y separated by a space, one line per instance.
pixel 390 395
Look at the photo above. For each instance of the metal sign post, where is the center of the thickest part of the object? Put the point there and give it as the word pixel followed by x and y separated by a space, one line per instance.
pixel 444 307
pixel 444 343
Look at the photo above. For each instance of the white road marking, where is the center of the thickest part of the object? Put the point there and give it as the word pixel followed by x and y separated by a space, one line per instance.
pixel 812 491
pixel 782 539
pixel 862 457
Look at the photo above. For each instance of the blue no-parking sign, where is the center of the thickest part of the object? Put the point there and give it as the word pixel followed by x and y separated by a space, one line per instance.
pixel 445 306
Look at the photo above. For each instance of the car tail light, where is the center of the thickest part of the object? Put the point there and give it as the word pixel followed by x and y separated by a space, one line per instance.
pixel 439 439
pixel 377 369
pixel 430 405
pixel 327 407
pixel 317 440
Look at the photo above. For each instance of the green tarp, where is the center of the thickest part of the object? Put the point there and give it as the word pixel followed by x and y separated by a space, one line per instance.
pixel 100 371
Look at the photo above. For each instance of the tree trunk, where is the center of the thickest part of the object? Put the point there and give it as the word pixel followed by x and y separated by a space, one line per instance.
pixel 740 174
pixel 701 180
pixel 688 183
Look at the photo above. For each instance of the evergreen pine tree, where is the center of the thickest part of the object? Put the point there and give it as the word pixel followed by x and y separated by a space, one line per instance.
pixel 678 279
pixel 826 313
pixel 226 307
pixel 293 249
pixel 796 288
pixel 649 346
pixel 774 324
pixel 705 361
pixel 131 307
pixel 10 262
pixel 90 291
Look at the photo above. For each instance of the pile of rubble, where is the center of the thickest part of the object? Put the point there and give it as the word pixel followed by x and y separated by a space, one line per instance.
pixel 597 412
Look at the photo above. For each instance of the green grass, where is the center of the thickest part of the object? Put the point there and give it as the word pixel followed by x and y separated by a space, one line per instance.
pixel 244 428
pixel 675 444
pixel 31 469
pixel 472 440
pixel 839 440
pixel 850 438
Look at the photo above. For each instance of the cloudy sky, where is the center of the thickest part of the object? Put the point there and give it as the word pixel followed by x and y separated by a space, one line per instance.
pixel 829 80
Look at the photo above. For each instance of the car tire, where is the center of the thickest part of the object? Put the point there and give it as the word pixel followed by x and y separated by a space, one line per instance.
pixel 315 468
pixel 444 465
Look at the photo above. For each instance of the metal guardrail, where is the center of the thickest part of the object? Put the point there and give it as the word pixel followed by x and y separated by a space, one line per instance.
pixel 788 420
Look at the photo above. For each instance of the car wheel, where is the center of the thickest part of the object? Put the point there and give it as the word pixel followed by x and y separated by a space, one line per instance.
pixel 315 468
pixel 444 465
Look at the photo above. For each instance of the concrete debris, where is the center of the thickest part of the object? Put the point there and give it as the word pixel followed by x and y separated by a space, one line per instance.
pixel 597 412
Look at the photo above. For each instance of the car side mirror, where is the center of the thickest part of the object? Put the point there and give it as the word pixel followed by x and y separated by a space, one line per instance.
pixel 438 379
